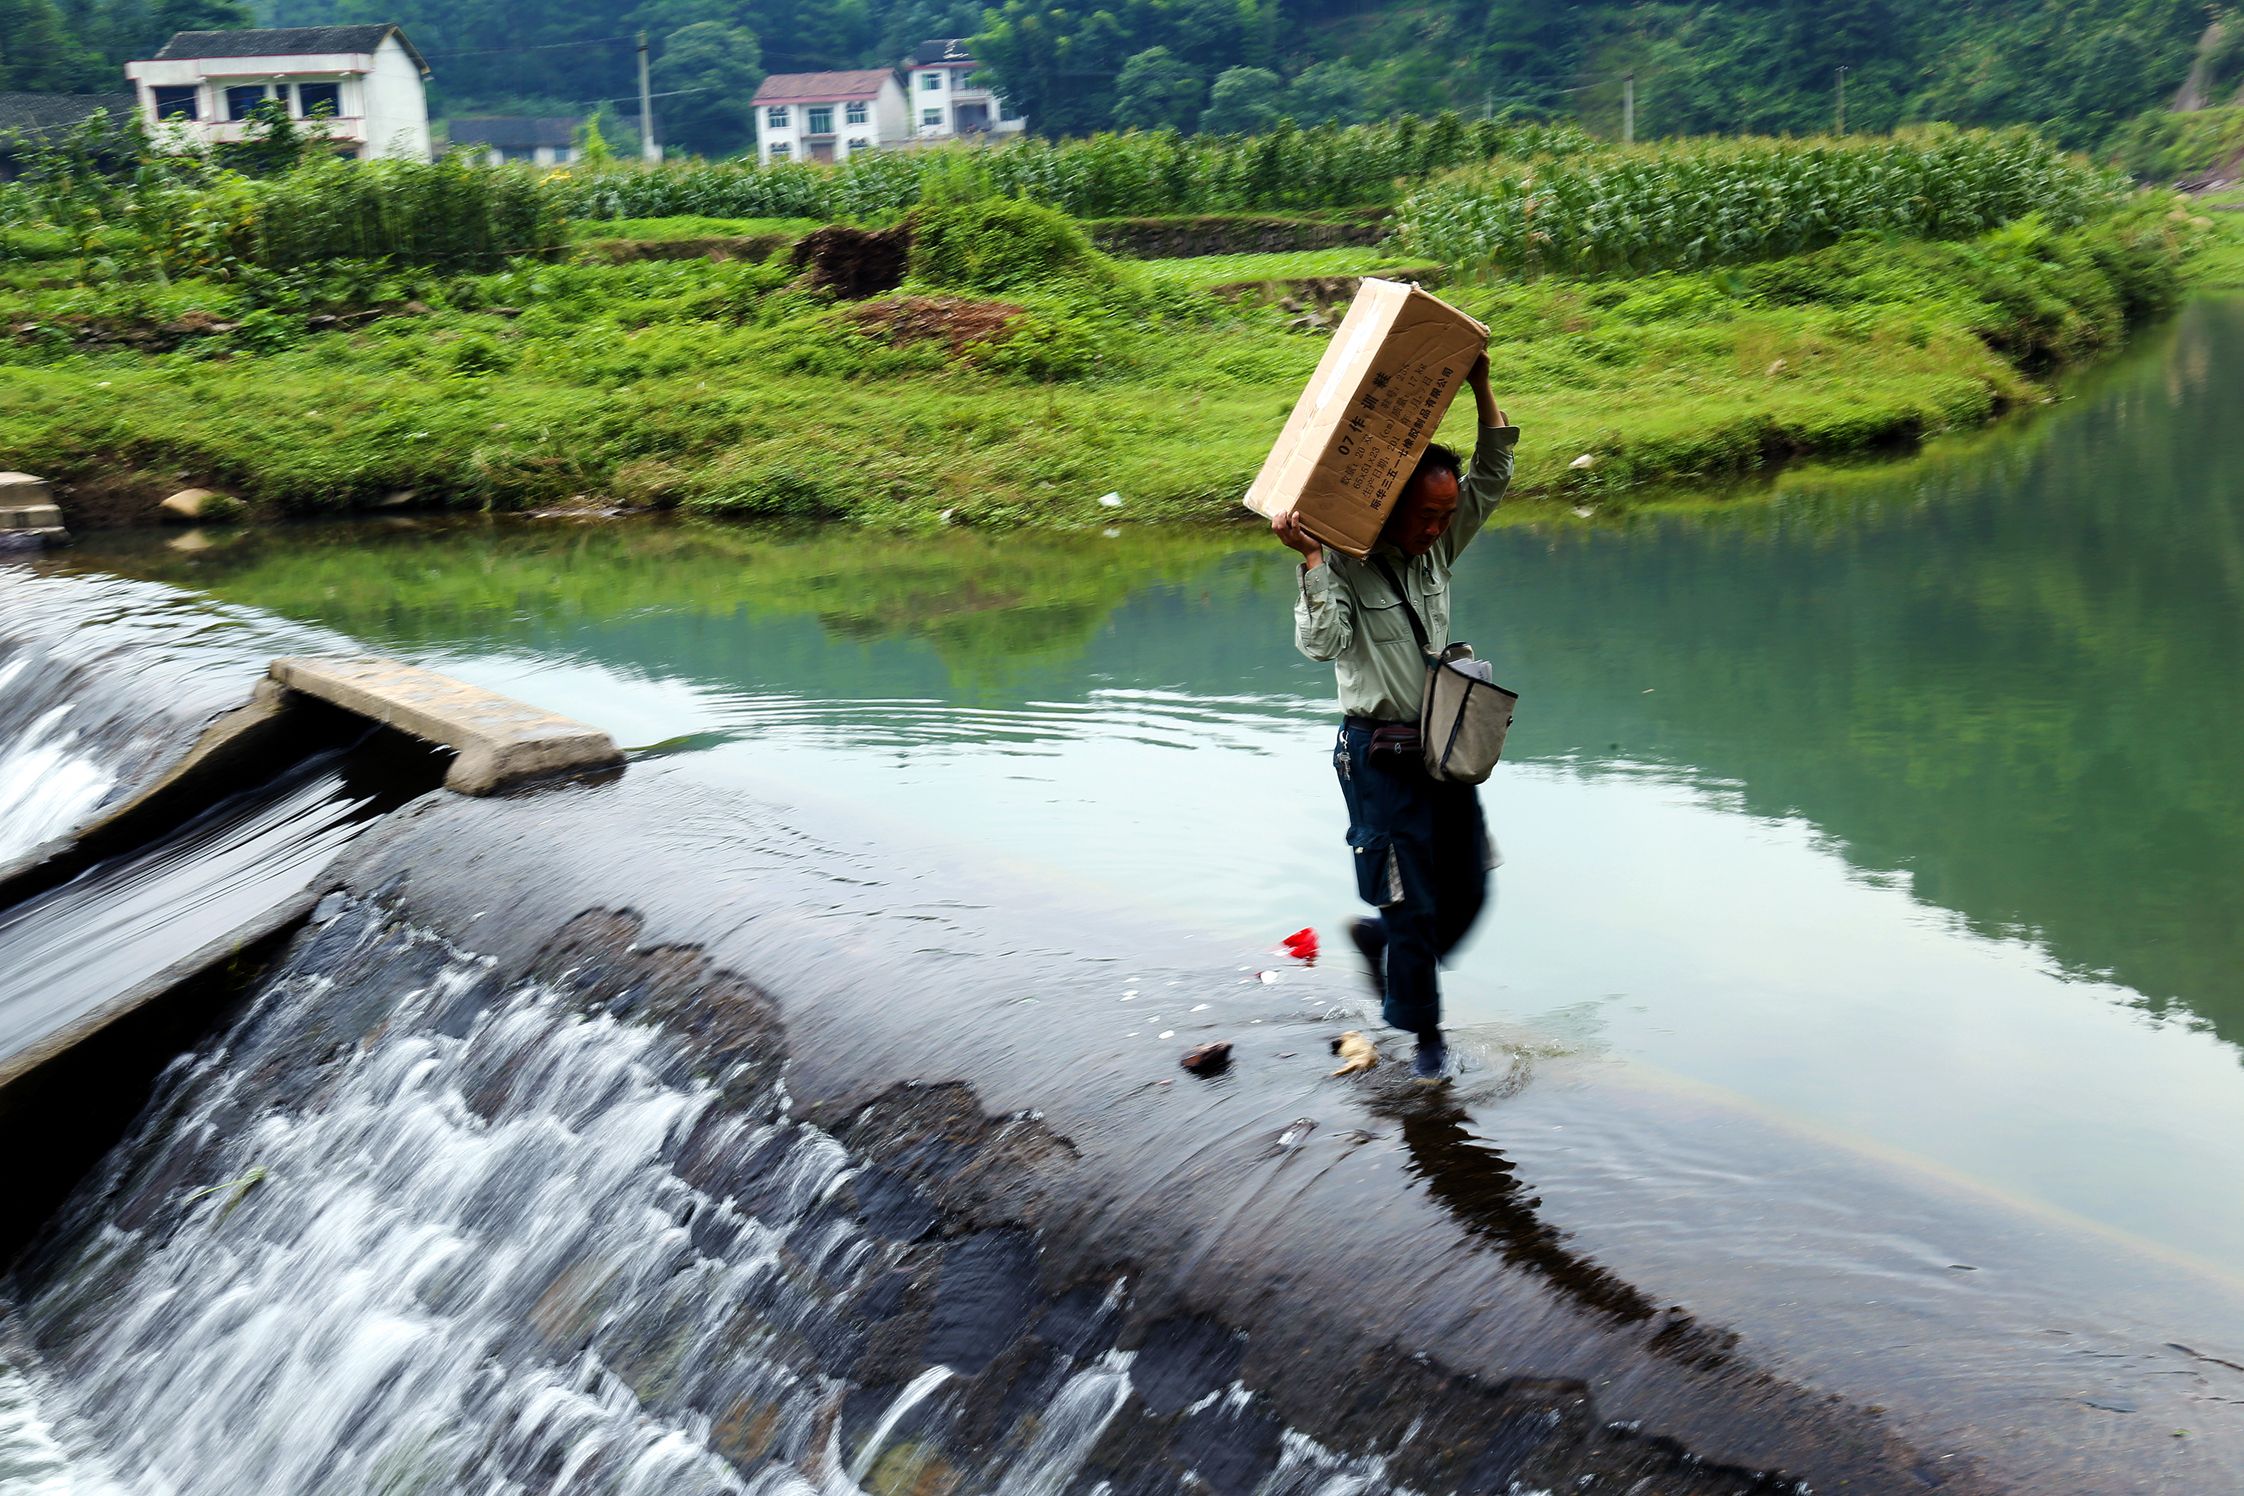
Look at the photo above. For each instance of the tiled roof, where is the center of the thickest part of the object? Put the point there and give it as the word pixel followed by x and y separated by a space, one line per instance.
pixel 36 113
pixel 282 41
pixel 943 49
pixel 513 132
pixel 817 88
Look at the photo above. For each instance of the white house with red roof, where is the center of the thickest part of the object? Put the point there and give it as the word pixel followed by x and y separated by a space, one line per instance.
pixel 829 116
pixel 946 102
pixel 363 87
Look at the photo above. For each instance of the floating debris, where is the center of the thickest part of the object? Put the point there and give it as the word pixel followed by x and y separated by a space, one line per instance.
pixel 1357 1054
pixel 1208 1059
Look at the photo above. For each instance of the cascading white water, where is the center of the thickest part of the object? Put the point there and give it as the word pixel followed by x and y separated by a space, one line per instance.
pixel 102 680
pixel 463 1256
pixel 47 784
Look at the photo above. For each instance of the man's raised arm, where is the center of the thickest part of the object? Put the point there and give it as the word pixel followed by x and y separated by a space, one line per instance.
pixel 1490 473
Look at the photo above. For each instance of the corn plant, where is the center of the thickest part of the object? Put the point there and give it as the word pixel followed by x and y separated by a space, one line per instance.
pixel 1134 173
pixel 1699 203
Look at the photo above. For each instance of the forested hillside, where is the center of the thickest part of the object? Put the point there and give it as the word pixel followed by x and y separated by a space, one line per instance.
pixel 2076 67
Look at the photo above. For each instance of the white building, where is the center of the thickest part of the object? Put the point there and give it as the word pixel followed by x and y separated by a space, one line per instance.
pixel 945 104
pixel 828 116
pixel 368 80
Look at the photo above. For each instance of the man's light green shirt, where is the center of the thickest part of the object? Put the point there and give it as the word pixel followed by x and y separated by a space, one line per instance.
pixel 1349 615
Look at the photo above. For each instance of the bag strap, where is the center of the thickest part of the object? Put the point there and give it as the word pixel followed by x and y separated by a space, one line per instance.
pixel 1395 582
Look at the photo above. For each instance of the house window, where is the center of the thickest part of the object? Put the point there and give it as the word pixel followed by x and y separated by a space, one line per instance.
pixel 859 143
pixel 1005 110
pixel 931 116
pixel 931 82
pixel 776 116
pixel 311 98
pixel 178 102
pixel 780 150
pixel 242 98
pixel 854 112
pixel 821 119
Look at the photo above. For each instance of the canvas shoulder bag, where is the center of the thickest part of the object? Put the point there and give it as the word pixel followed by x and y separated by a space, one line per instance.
pixel 1465 714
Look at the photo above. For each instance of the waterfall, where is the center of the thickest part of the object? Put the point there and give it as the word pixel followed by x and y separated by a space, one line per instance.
pixel 408 1226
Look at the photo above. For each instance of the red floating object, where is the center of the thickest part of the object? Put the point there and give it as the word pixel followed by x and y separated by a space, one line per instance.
pixel 1301 945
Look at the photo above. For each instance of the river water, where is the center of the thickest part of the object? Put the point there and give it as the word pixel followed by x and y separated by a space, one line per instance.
pixel 1894 814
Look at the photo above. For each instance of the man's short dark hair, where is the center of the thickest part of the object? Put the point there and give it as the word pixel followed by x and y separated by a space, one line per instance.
pixel 1438 459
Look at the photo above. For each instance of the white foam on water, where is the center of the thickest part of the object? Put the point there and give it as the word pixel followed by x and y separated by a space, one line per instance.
pixel 470 1261
pixel 33 1462
pixel 47 784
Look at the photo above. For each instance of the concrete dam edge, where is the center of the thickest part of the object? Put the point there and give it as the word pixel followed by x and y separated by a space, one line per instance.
pixel 1259 1248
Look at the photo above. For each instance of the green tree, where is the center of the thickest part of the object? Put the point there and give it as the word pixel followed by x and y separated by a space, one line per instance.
pixel 1157 91
pixel 37 54
pixel 198 15
pixel 1243 101
pixel 712 70
pixel 594 148
pixel 1330 93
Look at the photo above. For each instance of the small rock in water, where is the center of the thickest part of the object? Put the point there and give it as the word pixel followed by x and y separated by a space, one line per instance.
pixel 1208 1059
pixel 1357 1054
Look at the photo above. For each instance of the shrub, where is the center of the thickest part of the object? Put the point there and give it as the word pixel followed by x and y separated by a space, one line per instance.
pixel 1002 245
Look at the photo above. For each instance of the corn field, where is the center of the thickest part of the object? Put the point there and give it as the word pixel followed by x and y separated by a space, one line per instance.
pixel 1104 176
pixel 1700 203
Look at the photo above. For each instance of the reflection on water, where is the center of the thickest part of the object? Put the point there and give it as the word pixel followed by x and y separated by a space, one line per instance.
pixel 1902 804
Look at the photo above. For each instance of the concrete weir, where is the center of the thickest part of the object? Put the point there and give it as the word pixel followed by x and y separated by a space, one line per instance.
pixel 498 741
pixel 306 710
pixel 29 517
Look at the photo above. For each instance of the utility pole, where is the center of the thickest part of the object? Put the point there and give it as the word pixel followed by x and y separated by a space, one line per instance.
pixel 648 150
pixel 1841 112
pixel 1628 108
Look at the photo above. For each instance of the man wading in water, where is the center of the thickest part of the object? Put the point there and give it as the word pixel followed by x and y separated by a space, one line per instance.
pixel 1422 852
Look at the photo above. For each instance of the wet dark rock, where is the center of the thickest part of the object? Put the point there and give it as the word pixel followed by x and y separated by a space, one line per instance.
pixel 982 1299
pixel 1208 1059
pixel 890 1207
pixel 1080 1322
pixel 1181 1361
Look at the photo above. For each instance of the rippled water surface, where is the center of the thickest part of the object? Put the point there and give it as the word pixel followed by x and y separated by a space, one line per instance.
pixel 1900 810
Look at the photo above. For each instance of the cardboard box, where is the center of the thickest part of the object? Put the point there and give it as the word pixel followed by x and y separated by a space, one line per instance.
pixel 1369 413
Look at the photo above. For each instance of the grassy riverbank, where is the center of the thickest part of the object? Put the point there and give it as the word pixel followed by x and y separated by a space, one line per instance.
pixel 1019 393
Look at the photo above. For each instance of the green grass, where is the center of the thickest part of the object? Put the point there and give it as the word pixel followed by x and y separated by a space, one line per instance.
pixel 1204 271
pixel 2163 146
pixel 711 387
pixel 689 227
pixel 2221 264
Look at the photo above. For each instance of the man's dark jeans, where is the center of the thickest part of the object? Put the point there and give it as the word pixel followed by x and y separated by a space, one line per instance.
pixel 1421 854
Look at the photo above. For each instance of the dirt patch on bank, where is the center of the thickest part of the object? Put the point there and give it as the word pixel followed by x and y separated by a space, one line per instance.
pixel 957 321
pixel 714 247
pixel 854 263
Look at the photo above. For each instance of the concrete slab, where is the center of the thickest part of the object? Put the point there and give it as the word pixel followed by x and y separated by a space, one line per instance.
pixel 29 516
pixel 23 488
pixel 499 741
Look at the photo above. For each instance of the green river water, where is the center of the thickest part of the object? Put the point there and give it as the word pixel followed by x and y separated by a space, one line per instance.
pixel 1902 807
